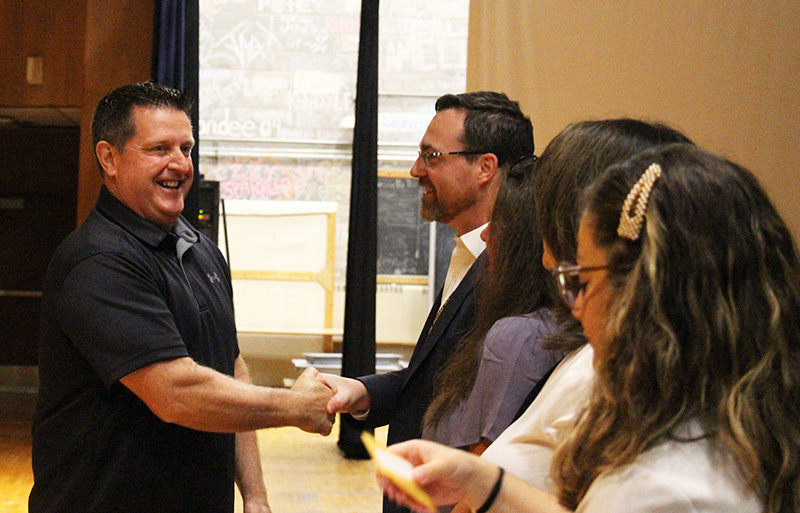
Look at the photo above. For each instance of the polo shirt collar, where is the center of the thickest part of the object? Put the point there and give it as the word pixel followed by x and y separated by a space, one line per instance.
pixel 147 232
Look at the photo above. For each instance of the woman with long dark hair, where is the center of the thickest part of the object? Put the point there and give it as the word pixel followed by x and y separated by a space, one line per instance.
pixel 481 387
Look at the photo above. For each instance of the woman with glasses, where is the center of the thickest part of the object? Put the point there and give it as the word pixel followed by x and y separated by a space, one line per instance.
pixel 574 158
pixel 691 308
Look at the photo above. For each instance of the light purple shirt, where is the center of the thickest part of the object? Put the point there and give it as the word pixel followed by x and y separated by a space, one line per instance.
pixel 512 363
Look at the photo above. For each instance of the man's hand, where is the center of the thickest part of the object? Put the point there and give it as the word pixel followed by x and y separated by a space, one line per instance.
pixel 313 396
pixel 350 395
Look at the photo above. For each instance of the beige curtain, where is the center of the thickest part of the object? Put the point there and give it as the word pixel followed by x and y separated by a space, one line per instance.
pixel 727 72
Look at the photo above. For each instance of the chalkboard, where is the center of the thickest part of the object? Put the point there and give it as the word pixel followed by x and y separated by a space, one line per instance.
pixel 403 236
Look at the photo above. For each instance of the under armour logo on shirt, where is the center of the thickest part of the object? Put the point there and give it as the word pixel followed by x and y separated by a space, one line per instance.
pixel 213 277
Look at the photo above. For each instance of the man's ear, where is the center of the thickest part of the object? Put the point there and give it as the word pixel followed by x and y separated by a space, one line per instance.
pixel 488 167
pixel 106 155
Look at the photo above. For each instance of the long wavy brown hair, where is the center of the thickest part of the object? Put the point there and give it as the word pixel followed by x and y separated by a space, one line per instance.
pixel 516 285
pixel 572 160
pixel 704 326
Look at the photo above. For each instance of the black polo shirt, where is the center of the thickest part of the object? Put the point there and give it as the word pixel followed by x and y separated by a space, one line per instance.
pixel 121 294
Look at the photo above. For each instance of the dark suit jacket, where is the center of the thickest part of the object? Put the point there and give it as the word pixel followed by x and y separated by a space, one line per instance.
pixel 401 398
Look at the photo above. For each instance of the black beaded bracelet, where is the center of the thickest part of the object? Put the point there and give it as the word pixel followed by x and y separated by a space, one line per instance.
pixel 493 494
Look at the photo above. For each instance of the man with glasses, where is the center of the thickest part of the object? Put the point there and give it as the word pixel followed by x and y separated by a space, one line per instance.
pixel 469 142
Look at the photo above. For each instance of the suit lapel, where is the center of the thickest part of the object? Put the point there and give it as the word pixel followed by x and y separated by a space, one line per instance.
pixel 432 315
pixel 435 326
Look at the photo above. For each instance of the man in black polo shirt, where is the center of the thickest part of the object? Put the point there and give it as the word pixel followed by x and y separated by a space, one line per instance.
pixel 144 401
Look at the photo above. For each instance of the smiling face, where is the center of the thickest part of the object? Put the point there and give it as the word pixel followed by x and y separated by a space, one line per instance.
pixel 591 306
pixel 152 174
pixel 451 182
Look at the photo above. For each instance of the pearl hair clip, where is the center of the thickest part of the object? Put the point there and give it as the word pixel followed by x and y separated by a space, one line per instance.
pixel 632 217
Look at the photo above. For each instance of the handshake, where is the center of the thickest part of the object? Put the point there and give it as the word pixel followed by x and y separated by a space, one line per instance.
pixel 320 396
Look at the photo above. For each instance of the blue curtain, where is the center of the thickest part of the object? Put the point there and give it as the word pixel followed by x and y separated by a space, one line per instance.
pixel 169 35
pixel 358 351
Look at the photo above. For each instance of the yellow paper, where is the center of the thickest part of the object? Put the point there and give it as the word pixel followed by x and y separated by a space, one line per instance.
pixel 397 470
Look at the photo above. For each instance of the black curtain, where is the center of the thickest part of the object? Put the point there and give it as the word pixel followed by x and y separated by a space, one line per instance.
pixel 358 348
pixel 176 63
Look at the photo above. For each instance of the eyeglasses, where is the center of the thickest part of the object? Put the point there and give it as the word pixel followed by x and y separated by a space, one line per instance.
pixel 568 280
pixel 429 156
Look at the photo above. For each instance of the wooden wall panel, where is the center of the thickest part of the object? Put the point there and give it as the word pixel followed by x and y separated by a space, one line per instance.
pixel 11 41
pixel 119 41
pixel 38 190
pixel 53 30
pixel 88 48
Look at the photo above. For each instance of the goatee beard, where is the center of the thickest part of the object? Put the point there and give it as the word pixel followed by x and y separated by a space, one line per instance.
pixel 433 212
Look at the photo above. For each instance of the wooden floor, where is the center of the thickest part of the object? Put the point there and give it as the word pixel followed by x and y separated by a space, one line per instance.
pixel 16 478
pixel 304 473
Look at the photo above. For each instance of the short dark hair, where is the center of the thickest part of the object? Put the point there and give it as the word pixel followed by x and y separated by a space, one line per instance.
pixel 494 124
pixel 113 120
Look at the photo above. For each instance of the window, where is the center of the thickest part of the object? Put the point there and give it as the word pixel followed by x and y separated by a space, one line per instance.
pixel 277 107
